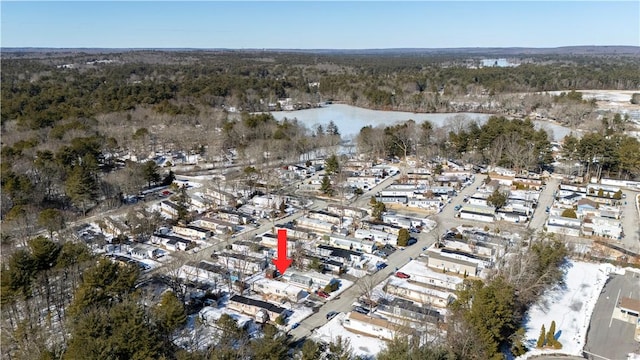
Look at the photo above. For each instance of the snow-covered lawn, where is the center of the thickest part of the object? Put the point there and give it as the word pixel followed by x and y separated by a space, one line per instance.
pixel 300 312
pixel 344 285
pixel 361 345
pixel 570 306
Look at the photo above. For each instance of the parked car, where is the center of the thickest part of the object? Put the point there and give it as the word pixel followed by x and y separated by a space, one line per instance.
pixel 412 241
pixel 402 275
pixel 361 310
pixel 381 265
pixel 331 314
pixel 322 294
pixel 295 326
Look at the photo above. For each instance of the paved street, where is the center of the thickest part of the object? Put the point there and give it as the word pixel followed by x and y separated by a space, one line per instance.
pixel 607 337
pixel 630 222
pixel 546 199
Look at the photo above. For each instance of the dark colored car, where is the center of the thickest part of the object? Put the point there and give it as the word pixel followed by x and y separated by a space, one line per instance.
pixel 331 314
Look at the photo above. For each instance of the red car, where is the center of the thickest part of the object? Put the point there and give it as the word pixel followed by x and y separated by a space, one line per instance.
pixel 322 294
pixel 402 275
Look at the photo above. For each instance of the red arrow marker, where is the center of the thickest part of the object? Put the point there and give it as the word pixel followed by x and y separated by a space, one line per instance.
pixel 282 263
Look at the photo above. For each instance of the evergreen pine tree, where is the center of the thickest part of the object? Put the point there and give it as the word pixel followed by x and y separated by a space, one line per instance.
pixel 541 338
pixel 551 334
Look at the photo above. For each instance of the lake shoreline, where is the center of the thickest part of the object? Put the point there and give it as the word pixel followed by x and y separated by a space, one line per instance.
pixel 350 119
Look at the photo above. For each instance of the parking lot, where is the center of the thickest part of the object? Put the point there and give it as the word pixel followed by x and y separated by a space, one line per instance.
pixel 609 337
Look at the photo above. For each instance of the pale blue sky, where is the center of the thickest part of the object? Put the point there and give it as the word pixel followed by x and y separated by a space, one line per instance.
pixel 318 25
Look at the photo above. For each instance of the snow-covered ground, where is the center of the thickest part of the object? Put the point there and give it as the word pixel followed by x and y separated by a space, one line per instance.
pixel 570 306
pixel 344 285
pixel 361 345
pixel 299 313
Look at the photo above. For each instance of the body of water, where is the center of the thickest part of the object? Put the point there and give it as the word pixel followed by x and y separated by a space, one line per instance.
pixel 351 119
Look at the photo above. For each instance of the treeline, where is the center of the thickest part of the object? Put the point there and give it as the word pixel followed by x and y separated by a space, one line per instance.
pixel 60 302
pixel 605 152
pixel 499 141
pixel 37 94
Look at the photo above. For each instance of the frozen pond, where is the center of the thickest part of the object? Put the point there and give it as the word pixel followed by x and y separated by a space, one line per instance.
pixel 351 119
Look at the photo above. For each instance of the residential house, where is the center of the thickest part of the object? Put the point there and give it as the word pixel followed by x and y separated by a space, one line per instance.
pixel 376 235
pixel 568 197
pixel 563 225
pixel 610 212
pixel 439 261
pixel 191 231
pixel 511 215
pixel 386 227
pixel 347 211
pixel 325 216
pixel 277 290
pixel 435 278
pixel 342 242
pixel 144 251
pixel 398 220
pixel 363 182
pixel 254 307
pixel 420 293
pixel 407 309
pixel 245 247
pixel 432 204
pixel 477 213
pixel 469 247
pixel 406 190
pixel 220 197
pixel 114 226
pixel 293 231
pixel 234 217
pixel 200 203
pixel 587 208
pixel 301 281
pixel 171 243
pixel 271 241
pixel 604 227
pixel 392 199
pixel 269 201
pixel 479 198
pixel 338 254
pixel 528 183
pixel 204 271
pixel 240 262
pixel 315 224
pixel 308 280
pixel 371 326
pixel 169 208
pixel 216 225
